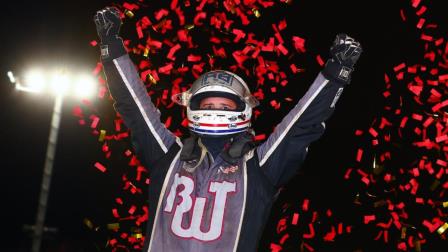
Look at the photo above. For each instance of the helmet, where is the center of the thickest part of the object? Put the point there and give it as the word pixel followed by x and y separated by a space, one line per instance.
pixel 218 83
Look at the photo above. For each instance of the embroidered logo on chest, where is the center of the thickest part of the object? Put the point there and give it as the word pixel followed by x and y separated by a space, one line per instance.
pixel 228 169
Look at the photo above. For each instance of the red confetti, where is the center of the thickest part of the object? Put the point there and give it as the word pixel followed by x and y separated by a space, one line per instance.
pixel 172 51
pixel 115 213
pixel 95 120
pixel 369 218
pixel 282 49
pixel 320 61
pixel 415 3
pixel 311 233
pixel 373 132
pixel 305 205
pixel 260 137
pixel 299 44
pixel 160 14
pixel 295 219
pixel 359 155
pixel 100 167
pixel 132 210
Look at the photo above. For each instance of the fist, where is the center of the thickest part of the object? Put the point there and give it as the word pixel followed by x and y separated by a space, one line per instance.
pixel 345 50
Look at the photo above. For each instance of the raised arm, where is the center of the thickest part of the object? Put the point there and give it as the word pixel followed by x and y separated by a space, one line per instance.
pixel 149 136
pixel 285 149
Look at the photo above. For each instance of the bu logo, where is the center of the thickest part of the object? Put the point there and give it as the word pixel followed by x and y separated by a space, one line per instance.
pixel 187 203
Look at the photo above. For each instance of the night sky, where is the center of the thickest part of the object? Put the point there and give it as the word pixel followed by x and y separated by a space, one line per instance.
pixel 59 32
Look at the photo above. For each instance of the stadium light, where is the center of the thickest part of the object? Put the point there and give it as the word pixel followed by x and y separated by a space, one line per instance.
pixel 85 86
pixel 34 82
pixel 60 84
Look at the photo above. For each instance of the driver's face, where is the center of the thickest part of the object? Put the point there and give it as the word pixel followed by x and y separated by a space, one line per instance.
pixel 218 103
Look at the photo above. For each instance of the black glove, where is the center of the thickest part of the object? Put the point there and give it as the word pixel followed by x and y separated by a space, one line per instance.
pixel 345 52
pixel 108 24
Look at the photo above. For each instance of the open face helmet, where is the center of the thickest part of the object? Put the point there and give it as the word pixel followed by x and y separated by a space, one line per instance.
pixel 218 122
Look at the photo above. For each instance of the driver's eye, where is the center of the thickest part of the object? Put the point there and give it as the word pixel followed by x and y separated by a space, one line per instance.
pixel 225 108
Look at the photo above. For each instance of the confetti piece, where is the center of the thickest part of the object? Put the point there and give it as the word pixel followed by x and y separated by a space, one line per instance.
pixel 421 11
pixel 369 218
pixel 166 69
pixel 275 247
pixel 260 137
pixel 373 132
pixel 359 155
pixel 282 49
pixel 402 15
pixel 341 228
pixel 172 51
pixel 299 44
pixel 113 226
pixel 100 167
pixel 295 219
pixel 95 121
pixel 102 135
pixel 347 173
pixel 113 242
pixel 129 13
pixel 281 225
pixel 138 236
pixel 115 213
pixel 160 14
pixel 320 61
pixel 284 238
pixel 131 210
pixel 97 69
pixel 308 247
pixel 305 204
pixel 199 17
pixel 365 180
pixel 420 23
pixel 415 3
pixel 399 67
pixel 239 35
pixel 441 138
pixel 430 226
pixel 442 228
pixel 256 12
pixel 88 223
pixel 311 233
pixel 426 37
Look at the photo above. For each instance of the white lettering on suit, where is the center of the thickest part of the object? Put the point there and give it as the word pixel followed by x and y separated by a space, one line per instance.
pixel 219 189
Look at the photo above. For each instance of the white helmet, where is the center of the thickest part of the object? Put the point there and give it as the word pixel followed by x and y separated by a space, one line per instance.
pixel 218 83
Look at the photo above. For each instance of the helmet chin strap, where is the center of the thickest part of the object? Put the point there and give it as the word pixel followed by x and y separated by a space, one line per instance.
pixel 239 147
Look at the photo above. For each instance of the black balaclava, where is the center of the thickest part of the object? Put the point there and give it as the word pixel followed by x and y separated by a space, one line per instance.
pixel 216 144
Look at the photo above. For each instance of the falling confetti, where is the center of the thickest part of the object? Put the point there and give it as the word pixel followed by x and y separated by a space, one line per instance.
pixel 168 44
pixel 174 42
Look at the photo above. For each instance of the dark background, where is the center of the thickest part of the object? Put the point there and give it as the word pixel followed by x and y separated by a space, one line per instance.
pixel 59 32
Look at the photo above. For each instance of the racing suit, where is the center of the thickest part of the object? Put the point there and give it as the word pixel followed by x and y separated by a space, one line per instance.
pixel 222 204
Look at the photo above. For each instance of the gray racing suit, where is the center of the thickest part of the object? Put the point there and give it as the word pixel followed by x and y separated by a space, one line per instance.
pixel 222 204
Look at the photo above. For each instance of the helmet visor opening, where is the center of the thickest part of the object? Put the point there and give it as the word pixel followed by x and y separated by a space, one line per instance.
pixel 196 100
